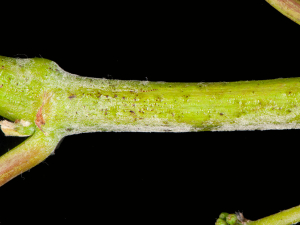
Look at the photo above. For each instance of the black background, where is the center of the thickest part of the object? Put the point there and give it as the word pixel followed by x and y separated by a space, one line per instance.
pixel 153 178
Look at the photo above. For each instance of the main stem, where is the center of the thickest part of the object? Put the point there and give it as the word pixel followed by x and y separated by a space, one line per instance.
pixel 39 91
pixel 47 103
pixel 113 105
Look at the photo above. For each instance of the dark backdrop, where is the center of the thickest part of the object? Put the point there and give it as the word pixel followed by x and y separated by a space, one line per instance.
pixel 153 178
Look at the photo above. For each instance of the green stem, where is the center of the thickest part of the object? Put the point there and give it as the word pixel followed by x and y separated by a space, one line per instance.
pixel 58 103
pixel 47 103
pixel 71 104
pixel 91 105
pixel 29 153
pixel 289 216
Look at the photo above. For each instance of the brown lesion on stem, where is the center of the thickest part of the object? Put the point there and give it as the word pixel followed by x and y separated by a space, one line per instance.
pixel 148 90
pixel 72 96
pixel 39 121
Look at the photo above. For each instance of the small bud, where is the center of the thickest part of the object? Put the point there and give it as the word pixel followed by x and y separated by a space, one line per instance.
pixel 220 222
pixel 231 219
pixel 223 215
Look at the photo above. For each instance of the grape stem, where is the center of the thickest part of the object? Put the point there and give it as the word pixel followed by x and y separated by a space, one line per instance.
pixel 289 216
pixel 46 103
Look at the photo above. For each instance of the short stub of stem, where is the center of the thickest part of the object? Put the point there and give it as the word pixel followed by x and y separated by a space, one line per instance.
pixel 20 128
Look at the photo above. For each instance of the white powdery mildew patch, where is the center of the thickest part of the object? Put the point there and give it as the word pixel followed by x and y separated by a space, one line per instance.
pixel 156 125
pixel 17 66
pixel 266 121
pixel 202 84
pixel 23 62
pixel 265 126
pixel 89 82
pixel 135 128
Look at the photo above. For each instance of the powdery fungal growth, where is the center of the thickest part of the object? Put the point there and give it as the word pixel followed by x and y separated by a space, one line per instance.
pixel 57 103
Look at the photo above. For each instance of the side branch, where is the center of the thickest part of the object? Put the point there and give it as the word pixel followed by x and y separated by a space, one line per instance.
pixel 28 154
pixel 286 217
